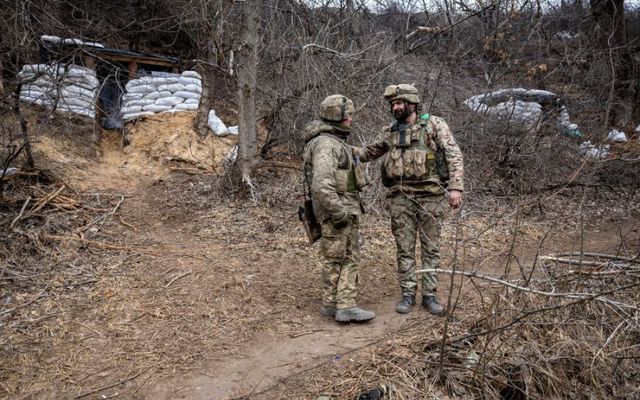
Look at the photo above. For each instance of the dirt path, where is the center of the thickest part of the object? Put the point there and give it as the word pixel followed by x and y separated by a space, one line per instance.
pixel 264 363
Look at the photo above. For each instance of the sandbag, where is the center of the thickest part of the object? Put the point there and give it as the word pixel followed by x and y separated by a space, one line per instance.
pixel 169 101
pixel 187 95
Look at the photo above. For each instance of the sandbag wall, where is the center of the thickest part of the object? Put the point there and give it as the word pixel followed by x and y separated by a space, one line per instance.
pixel 523 106
pixel 161 92
pixel 69 88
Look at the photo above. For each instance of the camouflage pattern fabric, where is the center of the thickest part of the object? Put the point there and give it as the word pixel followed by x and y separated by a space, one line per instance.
pixel 330 170
pixel 437 136
pixel 328 164
pixel 422 216
pixel 340 254
pixel 416 204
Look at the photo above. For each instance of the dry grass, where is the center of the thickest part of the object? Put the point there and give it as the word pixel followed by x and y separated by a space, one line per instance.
pixel 110 293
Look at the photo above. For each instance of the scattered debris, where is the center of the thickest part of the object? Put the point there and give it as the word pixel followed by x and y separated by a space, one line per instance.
pixel 616 136
pixel 231 157
pixel 8 171
pixel 220 128
pixel 378 393
pixel 588 149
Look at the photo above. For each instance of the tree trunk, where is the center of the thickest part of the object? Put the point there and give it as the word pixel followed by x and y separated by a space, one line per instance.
pixel 611 35
pixel 208 87
pixel 24 130
pixel 247 68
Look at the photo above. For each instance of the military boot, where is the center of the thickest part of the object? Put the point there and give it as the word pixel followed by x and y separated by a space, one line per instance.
pixel 354 314
pixel 328 311
pixel 430 303
pixel 406 303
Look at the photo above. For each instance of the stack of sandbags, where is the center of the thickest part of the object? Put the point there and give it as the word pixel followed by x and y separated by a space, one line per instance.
pixel 69 88
pixel 505 104
pixel 525 107
pixel 161 93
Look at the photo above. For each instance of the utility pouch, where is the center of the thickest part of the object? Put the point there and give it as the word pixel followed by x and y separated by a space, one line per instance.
pixel 408 170
pixel 342 180
pixel 442 166
pixel 312 228
pixel 393 164
pixel 422 162
pixel 361 177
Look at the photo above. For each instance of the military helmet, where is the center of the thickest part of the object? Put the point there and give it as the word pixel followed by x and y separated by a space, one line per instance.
pixel 336 108
pixel 403 91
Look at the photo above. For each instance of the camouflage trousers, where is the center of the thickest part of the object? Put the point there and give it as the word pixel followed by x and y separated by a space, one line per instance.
pixel 340 255
pixel 410 217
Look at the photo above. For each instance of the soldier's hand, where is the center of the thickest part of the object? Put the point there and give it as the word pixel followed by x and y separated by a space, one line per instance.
pixel 455 198
pixel 340 222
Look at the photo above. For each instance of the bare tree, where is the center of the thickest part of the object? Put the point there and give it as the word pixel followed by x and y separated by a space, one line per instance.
pixel 251 17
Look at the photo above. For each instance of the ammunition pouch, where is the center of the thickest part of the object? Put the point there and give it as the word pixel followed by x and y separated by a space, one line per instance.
pixel 442 166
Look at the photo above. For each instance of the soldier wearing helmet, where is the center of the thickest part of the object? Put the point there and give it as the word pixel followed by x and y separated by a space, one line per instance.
pixel 334 181
pixel 422 164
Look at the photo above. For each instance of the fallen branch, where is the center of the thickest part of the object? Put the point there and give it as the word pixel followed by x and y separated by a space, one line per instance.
pixel 24 206
pixel 568 295
pixel 38 206
pixel 580 262
pixel 595 255
pixel 114 384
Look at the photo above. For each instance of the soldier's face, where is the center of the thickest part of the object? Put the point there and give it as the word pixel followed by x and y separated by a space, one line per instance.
pixel 347 121
pixel 401 109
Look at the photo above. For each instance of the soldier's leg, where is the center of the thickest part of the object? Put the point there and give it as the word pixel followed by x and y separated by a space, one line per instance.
pixel 333 250
pixel 404 225
pixel 430 219
pixel 346 291
pixel 346 309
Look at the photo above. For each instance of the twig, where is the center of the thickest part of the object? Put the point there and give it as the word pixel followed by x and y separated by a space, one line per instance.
pixel 128 225
pixel 176 278
pixel 596 255
pixel 47 199
pixel 568 295
pixel 577 262
pixel 24 206
pixel 104 219
pixel 115 384
pixel 279 164
pixel 299 334
pixel 88 327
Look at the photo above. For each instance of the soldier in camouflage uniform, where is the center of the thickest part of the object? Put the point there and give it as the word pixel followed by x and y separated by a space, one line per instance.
pixel 422 163
pixel 334 180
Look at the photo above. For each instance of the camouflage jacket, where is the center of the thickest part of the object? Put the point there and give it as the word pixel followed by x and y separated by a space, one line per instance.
pixel 329 170
pixel 437 135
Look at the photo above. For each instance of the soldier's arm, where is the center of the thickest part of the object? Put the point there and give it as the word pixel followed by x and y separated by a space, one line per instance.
pixel 445 140
pixel 373 151
pixel 323 185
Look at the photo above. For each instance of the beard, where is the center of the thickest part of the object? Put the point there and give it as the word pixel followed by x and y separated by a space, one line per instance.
pixel 401 115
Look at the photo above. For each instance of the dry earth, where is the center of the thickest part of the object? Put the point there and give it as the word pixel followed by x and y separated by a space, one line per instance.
pixel 162 284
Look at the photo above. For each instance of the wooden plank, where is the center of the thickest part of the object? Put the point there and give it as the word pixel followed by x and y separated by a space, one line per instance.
pixel 139 60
